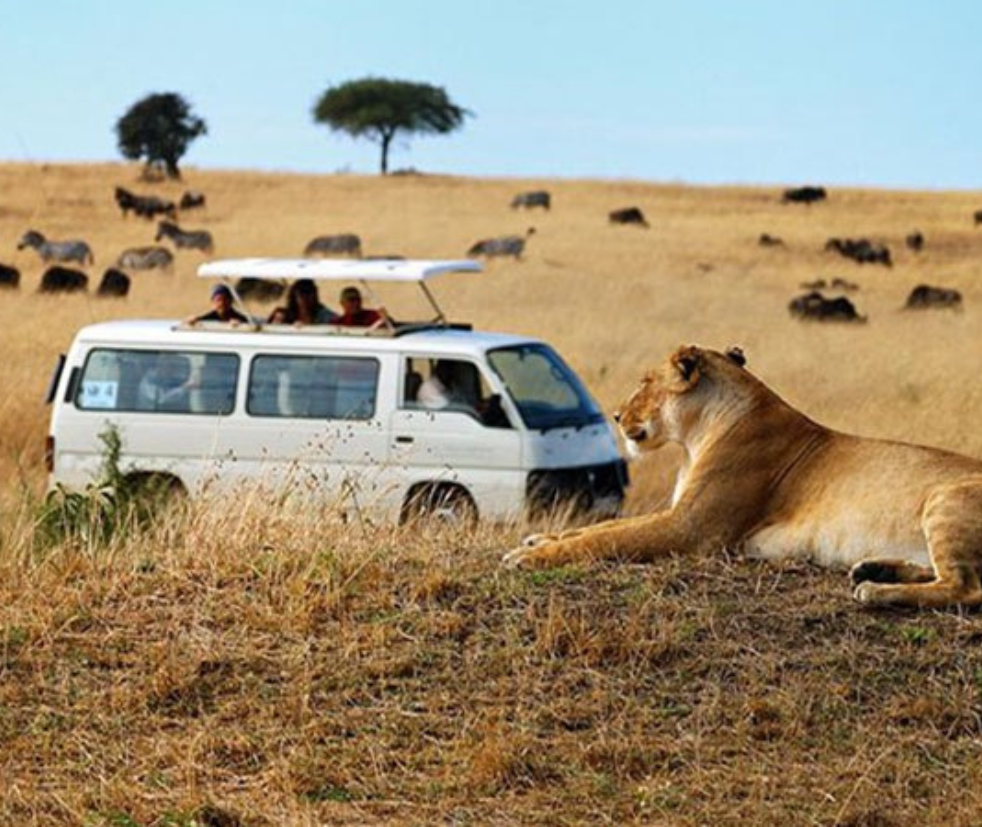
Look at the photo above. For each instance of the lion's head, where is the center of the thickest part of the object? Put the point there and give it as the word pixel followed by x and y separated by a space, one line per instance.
pixel 673 398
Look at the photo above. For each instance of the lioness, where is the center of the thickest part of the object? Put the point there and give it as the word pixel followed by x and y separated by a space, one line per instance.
pixel 761 477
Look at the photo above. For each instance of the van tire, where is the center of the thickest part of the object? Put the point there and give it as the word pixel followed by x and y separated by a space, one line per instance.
pixel 157 491
pixel 442 504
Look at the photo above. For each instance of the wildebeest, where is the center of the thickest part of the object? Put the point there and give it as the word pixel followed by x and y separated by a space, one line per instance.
pixel 59 279
pixel 190 239
pixel 9 277
pixel 804 195
pixel 836 284
pixel 260 290
pixel 534 198
pixel 814 306
pixel 767 240
pixel 628 215
pixel 915 241
pixel 924 296
pixel 506 245
pixel 145 258
pixel 74 250
pixel 115 284
pixel 861 250
pixel 347 244
pixel 191 199
pixel 145 206
pixel 977 215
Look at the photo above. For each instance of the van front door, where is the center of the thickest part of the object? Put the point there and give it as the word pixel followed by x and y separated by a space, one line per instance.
pixel 451 428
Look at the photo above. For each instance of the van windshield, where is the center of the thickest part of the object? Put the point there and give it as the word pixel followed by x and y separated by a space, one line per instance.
pixel 545 390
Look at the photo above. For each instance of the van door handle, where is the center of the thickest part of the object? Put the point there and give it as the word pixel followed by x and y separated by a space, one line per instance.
pixel 404 439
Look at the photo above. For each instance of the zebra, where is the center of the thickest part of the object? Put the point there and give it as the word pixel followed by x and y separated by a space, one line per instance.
pixel 74 250
pixel 192 239
pixel 506 245
pixel 345 244
pixel 145 258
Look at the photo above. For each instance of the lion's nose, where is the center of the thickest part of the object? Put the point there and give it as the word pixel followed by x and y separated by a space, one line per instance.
pixel 617 417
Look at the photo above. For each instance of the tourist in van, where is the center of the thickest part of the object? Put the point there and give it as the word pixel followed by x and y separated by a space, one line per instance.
pixel 222 310
pixel 442 389
pixel 166 385
pixel 355 314
pixel 303 306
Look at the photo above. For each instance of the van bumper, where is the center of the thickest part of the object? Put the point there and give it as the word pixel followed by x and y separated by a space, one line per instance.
pixel 587 490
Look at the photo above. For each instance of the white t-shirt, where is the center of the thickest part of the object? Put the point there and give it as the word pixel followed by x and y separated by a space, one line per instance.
pixel 433 394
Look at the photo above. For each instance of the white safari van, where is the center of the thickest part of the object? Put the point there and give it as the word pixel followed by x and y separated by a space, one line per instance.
pixel 403 419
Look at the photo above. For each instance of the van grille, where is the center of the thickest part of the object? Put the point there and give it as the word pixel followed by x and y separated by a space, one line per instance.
pixel 577 490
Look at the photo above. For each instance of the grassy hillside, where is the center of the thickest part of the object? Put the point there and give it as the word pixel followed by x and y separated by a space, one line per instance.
pixel 263 667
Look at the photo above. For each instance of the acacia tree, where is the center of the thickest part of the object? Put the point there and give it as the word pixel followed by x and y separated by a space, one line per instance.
pixel 159 127
pixel 379 108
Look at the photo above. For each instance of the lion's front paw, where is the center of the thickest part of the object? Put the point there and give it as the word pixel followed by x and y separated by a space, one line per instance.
pixel 534 552
pixel 869 593
pixel 517 557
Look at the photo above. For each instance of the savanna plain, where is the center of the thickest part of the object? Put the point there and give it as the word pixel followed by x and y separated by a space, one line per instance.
pixel 241 663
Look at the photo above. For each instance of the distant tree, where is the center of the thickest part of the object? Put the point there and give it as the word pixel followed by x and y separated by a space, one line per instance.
pixel 379 108
pixel 159 128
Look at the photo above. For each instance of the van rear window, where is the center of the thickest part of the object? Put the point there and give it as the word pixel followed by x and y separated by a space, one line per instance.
pixel 313 387
pixel 158 381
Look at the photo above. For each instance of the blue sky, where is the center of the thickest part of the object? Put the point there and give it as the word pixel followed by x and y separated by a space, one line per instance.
pixel 746 91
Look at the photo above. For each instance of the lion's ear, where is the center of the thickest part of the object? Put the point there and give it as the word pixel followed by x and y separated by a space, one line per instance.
pixel 687 361
pixel 735 355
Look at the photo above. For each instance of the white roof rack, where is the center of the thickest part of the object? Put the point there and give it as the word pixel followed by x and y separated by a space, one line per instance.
pixel 332 269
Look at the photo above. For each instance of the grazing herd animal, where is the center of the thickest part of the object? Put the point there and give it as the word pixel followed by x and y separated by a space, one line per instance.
pixel 114 284
pixel 192 200
pixel 628 215
pixel 9 277
pixel 345 244
pixel 767 240
pixel 144 206
pixel 535 198
pixel 58 279
pixel 188 239
pixel 503 246
pixel 74 250
pixel 814 306
pixel 146 258
pixel 861 250
pixel 915 241
pixel 924 296
pixel 804 195
pixel 260 290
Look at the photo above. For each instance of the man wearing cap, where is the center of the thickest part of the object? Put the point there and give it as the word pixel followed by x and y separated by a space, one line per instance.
pixel 222 310
pixel 354 315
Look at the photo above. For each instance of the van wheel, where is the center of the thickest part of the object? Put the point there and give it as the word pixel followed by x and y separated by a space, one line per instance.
pixel 445 505
pixel 157 492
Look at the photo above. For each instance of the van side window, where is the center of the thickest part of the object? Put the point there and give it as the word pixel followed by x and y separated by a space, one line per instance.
pixel 313 387
pixel 451 385
pixel 158 381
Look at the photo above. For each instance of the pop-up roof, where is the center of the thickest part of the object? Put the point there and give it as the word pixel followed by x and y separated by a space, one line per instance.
pixel 346 269
pixel 335 269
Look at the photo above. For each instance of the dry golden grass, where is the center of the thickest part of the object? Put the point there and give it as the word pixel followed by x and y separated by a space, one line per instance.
pixel 257 668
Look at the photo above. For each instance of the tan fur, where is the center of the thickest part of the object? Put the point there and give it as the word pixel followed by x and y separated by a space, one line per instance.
pixel 761 477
